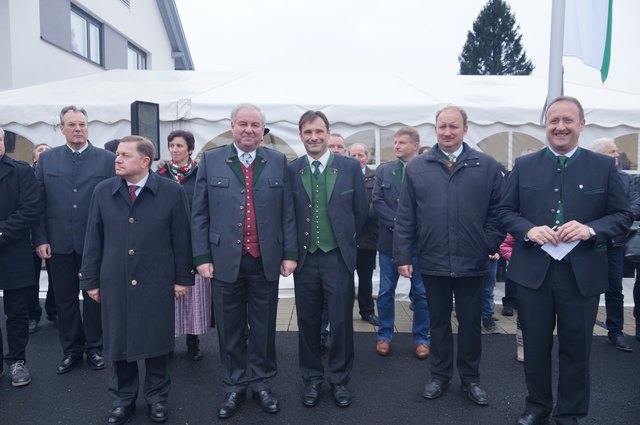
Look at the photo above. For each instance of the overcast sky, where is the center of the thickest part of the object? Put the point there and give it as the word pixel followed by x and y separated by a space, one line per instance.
pixel 382 36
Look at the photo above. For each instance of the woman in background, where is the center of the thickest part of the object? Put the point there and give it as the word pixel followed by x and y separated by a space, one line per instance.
pixel 193 311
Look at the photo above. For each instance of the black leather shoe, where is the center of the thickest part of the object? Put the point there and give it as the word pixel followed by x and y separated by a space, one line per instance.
pixel 95 361
pixel 372 319
pixel 341 395
pixel 434 389
pixel 267 401
pixel 475 393
pixel 231 404
pixel 120 414
pixel 620 342
pixel 507 310
pixel 311 394
pixel 69 361
pixel 159 412
pixel 530 418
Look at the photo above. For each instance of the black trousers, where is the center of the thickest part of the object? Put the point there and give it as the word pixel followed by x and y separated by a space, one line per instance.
pixel 125 385
pixel 510 293
pixel 325 276
pixel 365 264
pixel 77 332
pixel 246 313
pixel 558 302
pixel 35 310
pixel 468 294
pixel 16 308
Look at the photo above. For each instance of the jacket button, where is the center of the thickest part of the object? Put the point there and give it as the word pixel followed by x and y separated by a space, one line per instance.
pixel 131 252
pixel 556 190
pixel 241 208
pixel 308 220
pixel 304 247
pixel 306 233
pixel 238 241
pixel 134 282
pixel 553 211
pixel 131 220
pixel 239 224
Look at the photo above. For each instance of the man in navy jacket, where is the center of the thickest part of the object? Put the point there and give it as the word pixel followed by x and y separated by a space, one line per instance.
pixel 561 194
pixel 68 174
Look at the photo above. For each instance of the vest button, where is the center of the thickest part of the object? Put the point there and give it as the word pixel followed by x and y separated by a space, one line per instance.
pixel 131 220
pixel 134 282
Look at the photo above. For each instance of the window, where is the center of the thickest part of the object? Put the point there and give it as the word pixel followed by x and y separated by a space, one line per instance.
pixel 86 36
pixel 136 58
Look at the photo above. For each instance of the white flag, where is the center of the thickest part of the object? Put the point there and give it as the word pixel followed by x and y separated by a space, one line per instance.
pixel 587 32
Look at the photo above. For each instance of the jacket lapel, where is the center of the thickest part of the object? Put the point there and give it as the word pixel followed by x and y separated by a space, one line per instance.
pixel 305 176
pixel 331 176
pixel 234 162
pixel 258 164
pixel 396 176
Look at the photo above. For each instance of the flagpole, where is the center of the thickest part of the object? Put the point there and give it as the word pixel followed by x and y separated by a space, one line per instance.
pixel 555 50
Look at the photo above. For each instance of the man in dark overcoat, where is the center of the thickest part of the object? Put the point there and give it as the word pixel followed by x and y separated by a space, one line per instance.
pixel 68 174
pixel 19 209
pixel 137 257
pixel 448 206
pixel 331 208
pixel 569 195
pixel 244 237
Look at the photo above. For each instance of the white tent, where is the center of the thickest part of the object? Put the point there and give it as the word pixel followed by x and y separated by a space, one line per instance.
pixel 202 101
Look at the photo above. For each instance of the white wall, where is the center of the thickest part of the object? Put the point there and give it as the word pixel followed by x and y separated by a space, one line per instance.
pixel 33 61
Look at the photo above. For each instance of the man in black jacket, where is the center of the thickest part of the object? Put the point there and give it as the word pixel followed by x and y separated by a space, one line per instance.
pixel 614 298
pixel 19 209
pixel 448 205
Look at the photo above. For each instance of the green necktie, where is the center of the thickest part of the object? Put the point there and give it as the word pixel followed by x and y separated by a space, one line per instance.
pixel 316 171
pixel 452 157
pixel 402 171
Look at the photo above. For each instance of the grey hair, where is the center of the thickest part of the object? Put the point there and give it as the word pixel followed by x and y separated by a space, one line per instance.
pixel 72 108
pixel 251 106
pixel 599 144
pixel 362 145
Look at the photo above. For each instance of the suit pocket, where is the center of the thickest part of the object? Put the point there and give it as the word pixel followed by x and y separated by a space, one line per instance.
pixel 593 192
pixel 275 182
pixel 214 238
pixel 346 192
pixel 222 182
pixel 531 188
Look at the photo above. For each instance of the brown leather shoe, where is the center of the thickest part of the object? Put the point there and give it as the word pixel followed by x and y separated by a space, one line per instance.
pixel 383 348
pixel 422 351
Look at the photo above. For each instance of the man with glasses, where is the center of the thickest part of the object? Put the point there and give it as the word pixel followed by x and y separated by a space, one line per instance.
pixel 68 174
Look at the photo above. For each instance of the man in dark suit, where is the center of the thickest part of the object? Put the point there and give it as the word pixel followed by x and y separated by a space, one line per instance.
pixel 136 259
pixel 19 210
pixel 561 195
pixel 68 174
pixel 244 236
pixel 448 208
pixel 368 241
pixel 331 207
pixel 386 193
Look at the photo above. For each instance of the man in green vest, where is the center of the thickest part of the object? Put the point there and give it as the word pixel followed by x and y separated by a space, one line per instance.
pixel 330 203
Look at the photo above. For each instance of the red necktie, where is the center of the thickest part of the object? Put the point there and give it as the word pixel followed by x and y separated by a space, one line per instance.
pixel 132 192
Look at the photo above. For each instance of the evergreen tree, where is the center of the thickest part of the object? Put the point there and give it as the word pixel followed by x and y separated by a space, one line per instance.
pixel 494 46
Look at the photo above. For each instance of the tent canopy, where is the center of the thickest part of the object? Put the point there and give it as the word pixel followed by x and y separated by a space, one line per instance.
pixel 202 101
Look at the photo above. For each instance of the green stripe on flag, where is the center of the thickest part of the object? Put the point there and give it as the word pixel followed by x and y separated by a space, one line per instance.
pixel 606 58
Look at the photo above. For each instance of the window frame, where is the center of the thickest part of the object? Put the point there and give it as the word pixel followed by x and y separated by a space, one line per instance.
pixel 141 56
pixel 90 23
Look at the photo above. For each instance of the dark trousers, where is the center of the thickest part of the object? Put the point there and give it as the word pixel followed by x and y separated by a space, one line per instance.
pixel 35 310
pixel 251 302
pixel 77 332
pixel 16 308
pixel 468 294
pixel 614 298
pixel 124 385
pixel 365 264
pixel 325 276
pixel 510 293
pixel 558 302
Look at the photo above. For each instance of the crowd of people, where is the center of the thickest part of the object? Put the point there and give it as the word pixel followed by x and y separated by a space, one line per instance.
pixel 198 245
